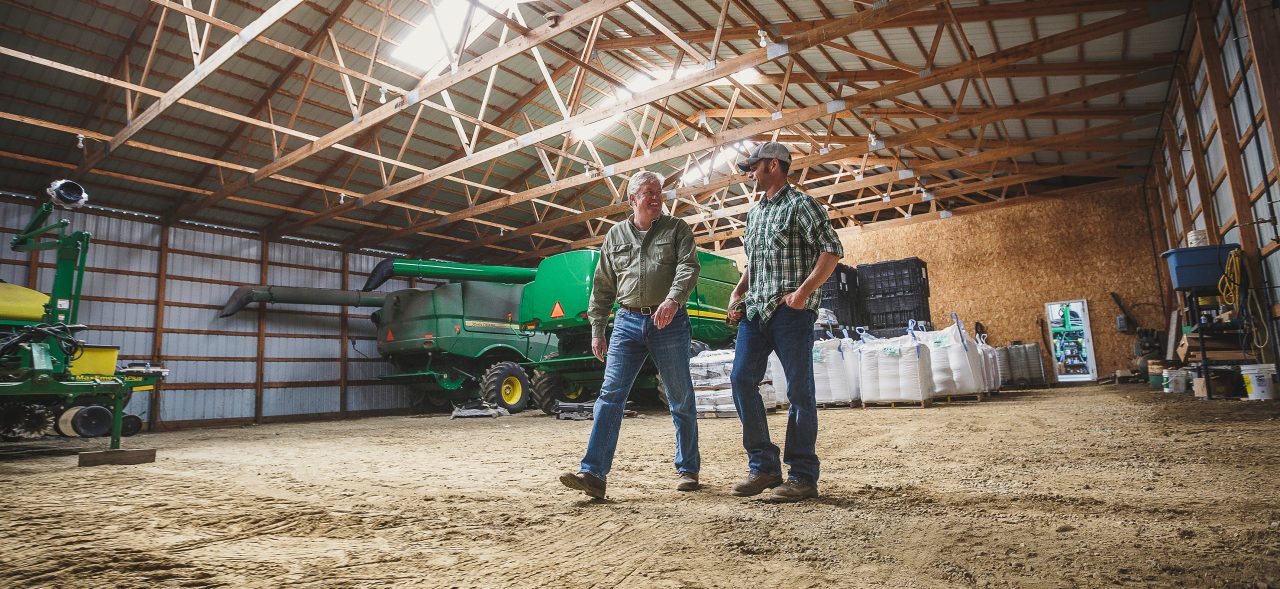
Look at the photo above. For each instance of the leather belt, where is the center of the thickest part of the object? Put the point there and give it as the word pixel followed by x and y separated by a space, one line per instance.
pixel 640 310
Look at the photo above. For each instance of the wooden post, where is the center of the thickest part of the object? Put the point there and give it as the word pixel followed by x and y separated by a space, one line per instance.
pixel 1198 161
pixel 1262 24
pixel 1227 134
pixel 157 334
pixel 260 361
pixel 343 317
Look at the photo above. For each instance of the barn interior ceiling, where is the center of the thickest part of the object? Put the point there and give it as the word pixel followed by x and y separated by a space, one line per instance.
pixel 501 130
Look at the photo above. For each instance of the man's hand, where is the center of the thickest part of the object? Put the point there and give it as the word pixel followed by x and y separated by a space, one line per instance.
pixel 665 313
pixel 599 346
pixel 735 310
pixel 795 300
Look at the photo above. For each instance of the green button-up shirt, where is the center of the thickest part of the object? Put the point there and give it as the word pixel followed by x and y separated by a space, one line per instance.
pixel 643 271
pixel 784 236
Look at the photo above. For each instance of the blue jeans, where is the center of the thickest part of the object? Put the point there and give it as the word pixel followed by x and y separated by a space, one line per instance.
pixel 634 338
pixel 790 333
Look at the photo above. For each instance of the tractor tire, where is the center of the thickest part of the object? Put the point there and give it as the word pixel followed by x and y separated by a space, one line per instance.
pixel 546 390
pixel 506 385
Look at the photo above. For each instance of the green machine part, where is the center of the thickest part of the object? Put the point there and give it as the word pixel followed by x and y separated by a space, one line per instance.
pixel 389 268
pixel 558 298
pixel 36 365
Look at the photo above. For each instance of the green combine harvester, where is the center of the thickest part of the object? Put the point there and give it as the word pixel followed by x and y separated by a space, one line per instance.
pixel 48 378
pixel 475 336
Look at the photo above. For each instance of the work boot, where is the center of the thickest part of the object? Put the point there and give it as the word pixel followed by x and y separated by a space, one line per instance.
pixel 756 483
pixel 585 482
pixel 793 490
pixel 688 482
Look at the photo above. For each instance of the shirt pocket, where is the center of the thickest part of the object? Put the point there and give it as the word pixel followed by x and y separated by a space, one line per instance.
pixel 664 251
pixel 778 233
pixel 621 256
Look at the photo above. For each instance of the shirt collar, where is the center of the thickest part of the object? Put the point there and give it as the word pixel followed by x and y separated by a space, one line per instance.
pixel 780 194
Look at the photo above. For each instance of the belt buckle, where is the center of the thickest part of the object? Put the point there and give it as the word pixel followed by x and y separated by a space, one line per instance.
pixel 646 310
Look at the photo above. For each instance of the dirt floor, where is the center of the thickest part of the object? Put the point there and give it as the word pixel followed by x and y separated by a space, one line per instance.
pixel 1082 487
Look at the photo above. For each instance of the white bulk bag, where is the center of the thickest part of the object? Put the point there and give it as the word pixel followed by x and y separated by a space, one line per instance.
pixel 825 353
pixel 849 363
pixel 905 370
pixel 869 373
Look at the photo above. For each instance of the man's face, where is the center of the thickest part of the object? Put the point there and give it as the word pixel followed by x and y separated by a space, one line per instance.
pixel 648 200
pixel 763 171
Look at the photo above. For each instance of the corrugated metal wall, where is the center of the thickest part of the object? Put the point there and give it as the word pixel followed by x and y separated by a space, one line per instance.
pixel 288 361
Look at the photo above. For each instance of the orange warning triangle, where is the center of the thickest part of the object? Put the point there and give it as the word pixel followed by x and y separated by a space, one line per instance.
pixel 390 336
pixel 557 311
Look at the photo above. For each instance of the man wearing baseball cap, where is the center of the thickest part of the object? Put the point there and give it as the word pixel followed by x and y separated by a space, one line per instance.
pixel 791 250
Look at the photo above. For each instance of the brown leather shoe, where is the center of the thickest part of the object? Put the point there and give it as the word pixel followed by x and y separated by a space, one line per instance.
pixel 793 490
pixel 756 483
pixel 585 482
pixel 688 482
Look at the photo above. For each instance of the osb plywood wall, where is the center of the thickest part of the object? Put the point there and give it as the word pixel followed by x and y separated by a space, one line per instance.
pixel 1001 265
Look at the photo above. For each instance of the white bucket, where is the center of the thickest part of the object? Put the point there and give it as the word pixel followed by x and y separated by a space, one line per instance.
pixel 1257 381
pixel 1175 380
pixel 1197 237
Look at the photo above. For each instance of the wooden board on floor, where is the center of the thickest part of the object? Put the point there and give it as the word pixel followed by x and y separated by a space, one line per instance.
pixel 143 456
pixel 919 404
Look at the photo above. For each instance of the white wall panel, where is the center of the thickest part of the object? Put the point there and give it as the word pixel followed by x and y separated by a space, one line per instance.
pixel 298 347
pixel 302 371
pixel 121 258
pixel 369 398
pixel 189 371
pixel 106 228
pixel 185 291
pixel 178 405
pixel 300 401
pixel 245 273
pixel 125 286
pixel 193 318
pixel 368 370
pixel 305 256
pixel 215 243
pixel 117 314
pixel 194 344
pixel 285 276
pixel 304 324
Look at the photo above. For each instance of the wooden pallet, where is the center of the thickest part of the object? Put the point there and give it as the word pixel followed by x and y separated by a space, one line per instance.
pixel 974 397
pixel 717 414
pixel 920 404
pixel 733 414
pixel 838 405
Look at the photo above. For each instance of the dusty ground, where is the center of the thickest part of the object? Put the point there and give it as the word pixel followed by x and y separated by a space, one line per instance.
pixel 1084 487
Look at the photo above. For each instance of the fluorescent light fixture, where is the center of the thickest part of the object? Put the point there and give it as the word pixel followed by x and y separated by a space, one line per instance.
pixel 428 50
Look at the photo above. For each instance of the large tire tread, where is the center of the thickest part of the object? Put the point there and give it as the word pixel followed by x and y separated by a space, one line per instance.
pixel 491 386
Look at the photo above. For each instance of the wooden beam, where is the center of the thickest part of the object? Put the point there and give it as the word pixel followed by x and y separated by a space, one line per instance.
pixel 1262 24
pixel 1227 134
pixel 428 86
pixel 188 83
pixel 925 133
pixel 936 17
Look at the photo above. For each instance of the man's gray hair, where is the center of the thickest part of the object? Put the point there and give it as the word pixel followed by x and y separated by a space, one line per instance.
pixel 641 178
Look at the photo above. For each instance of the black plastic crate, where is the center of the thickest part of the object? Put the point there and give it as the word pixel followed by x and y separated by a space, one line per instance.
pixel 839 294
pixel 891 332
pixel 893 278
pixel 897 311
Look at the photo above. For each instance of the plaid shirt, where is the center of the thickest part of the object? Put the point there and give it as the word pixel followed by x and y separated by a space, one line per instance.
pixel 784 236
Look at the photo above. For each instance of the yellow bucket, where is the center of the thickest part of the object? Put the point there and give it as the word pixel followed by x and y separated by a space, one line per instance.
pixel 96 360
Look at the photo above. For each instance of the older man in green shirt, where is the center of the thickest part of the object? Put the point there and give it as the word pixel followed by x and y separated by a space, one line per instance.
pixel 648 266
pixel 791 250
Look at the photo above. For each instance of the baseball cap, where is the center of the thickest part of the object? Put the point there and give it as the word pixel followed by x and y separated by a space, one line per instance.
pixel 769 150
